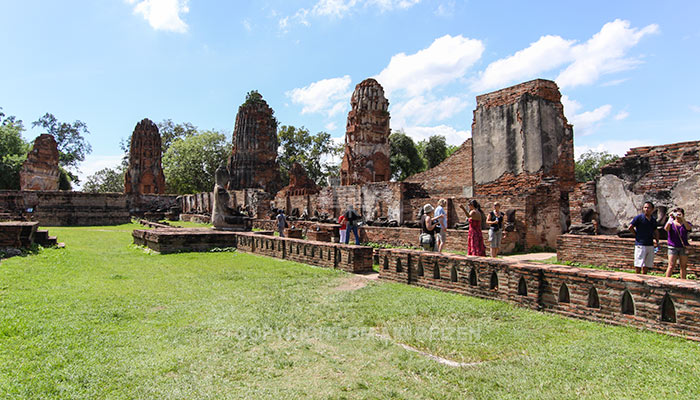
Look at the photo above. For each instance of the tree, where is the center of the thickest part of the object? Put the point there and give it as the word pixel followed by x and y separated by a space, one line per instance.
pixel 190 163
pixel 106 180
pixel 169 132
pixel 590 163
pixel 434 150
pixel 13 151
pixel 405 160
pixel 313 152
pixel 72 147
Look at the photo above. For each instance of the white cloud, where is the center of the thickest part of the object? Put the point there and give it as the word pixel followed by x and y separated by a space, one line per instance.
pixel 445 9
pixel 571 107
pixel 163 15
pixel 694 108
pixel 342 8
pixel 247 25
pixel 543 55
pixel 587 122
pixel 621 115
pixel 452 135
pixel 331 126
pixel 618 147
pixel 418 110
pixel 447 59
pixel 604 53
pixel 329 96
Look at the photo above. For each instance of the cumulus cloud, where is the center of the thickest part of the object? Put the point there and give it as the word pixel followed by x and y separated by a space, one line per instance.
pixel 164 15
pixel 585 123
pixel 695 108
pixel 604 53
pixel 452 135
pixel 331 126
pixel 328 96
pixel 420 110
pixel 621 115
pixel 447 59
pixel 543 55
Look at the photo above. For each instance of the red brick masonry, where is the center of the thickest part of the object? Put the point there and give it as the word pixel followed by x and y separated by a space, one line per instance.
pixel 664 305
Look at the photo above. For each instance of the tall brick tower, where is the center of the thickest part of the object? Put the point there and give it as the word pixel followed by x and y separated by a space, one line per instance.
pixel 367 150
pixel 40 170
pixel 145 173
pixel 253 159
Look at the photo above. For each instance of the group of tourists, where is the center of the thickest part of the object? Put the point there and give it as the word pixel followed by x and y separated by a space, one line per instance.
pixel 646 240
pixel 433 224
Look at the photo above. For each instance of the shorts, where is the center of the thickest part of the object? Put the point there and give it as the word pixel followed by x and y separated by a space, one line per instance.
pixel 442 236
pixel 495 238
pixel 677 251
pixel 643 256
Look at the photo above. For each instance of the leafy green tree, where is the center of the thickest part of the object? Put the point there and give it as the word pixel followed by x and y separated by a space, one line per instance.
pixel 313 152
pixel 190 162
pixel 434 150
pixel 451 148
pixel 72 146
pixel 169 132
pixel 13 151
pixel 589 164
pixel 405 160
pixel 106 180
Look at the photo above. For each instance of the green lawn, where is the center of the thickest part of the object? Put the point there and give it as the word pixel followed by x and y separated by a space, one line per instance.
pixel 102 319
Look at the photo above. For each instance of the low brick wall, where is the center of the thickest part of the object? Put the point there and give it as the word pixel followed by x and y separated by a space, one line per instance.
pixel 664 305
pixel 349 258
pixel 456 239
pixel 616 252
pixel 17 234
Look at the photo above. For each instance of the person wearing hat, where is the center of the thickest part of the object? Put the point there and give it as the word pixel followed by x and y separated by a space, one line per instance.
pixel 428 225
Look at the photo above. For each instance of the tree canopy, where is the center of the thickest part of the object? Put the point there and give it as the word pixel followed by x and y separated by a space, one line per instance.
pixel 170 131
pixel 190 162
pixel 313 152
pixel 589 164
pixel 405 159
pixel 13 151
pixel 72 146
pixel 105 180
pixel 434 150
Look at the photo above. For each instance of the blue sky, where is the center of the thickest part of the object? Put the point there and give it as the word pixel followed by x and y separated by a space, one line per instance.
pixel 628 69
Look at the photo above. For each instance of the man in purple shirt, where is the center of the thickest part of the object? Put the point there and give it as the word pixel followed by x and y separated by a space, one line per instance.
pixel 643 227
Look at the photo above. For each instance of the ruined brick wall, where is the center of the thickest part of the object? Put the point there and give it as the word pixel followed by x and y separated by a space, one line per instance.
pixel 145 172
pixel 615 252
pixel 452 177
pixel 40 170
pixel 257 200
pixel 372 200
pixel 253 159
pixel 138 204
pixel 64 208
pixel 521 136
pixel 367 149
pixel 583 197
pixel 668 175
pixel 300 194
pixel 660 304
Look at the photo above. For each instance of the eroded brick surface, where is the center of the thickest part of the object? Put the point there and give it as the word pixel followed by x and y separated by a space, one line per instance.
pixel 145 172
pixel 40 170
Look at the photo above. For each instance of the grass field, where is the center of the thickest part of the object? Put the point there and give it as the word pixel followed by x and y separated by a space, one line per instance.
pixel 102 319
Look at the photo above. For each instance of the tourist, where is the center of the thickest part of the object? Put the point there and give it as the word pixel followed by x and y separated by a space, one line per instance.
pixel 343 227
pixel 495 223
pixel 281 222
pixel 677 228
pixel 428 227
pixel 353 220
pixel 441 218
pixel 475 240
pixel 643 227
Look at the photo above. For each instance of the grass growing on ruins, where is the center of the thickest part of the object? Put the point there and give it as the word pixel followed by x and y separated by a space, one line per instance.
pixel 103 319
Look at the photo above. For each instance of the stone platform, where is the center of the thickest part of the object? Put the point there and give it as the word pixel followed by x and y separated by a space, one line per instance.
pixel 349 258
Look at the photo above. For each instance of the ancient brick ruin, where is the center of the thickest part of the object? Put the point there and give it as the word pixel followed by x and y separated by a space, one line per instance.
pixel 253 159
pixel 40 170
pixel 367 150
pixel 145 172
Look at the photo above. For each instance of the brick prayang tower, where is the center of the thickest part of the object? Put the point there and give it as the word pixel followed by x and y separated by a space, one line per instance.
pixel 145 172
pixel 367 149
pixel 253 160
pixel 40 170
